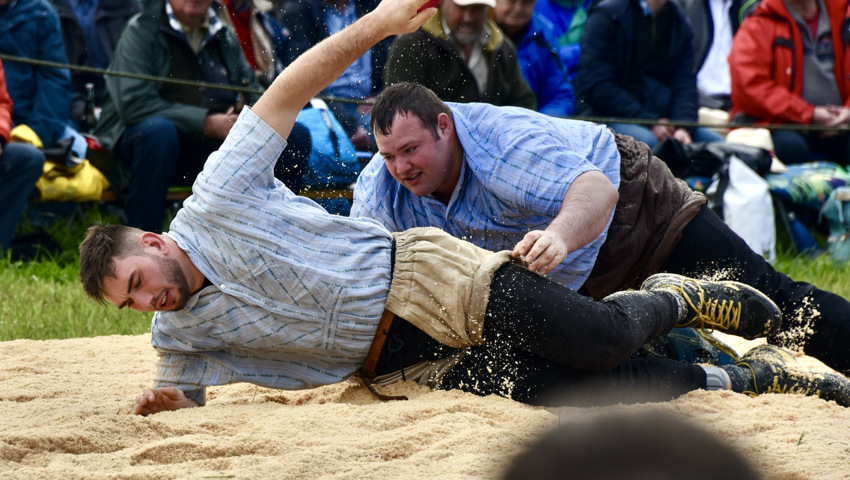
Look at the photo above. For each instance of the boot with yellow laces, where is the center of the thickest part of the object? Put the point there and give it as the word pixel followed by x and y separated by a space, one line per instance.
pixel 772 369
pixel 724 306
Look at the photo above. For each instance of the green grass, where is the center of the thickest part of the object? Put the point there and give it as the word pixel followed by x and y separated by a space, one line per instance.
pixel 821 271
pixel 43 299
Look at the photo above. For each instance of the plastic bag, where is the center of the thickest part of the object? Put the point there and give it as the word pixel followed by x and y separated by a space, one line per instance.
pixel 742 199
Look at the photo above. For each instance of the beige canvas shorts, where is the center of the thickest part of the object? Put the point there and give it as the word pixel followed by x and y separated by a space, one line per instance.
pixel 441 284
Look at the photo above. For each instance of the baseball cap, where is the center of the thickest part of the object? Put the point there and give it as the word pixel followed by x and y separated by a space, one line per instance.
pixel 489 3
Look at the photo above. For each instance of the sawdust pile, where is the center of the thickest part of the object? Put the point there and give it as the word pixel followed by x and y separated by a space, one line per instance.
pixel 64 414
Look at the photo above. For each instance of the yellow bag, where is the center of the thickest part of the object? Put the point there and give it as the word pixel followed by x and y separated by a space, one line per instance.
pixel 24 134
pixel 59 183
pixel 81 183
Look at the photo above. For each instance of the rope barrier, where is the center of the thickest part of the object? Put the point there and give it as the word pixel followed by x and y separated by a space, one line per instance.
pixel 330 98
pixel 136 76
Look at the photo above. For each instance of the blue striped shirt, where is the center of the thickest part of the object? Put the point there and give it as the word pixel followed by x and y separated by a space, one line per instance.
pixel 518 165
pixel 296 293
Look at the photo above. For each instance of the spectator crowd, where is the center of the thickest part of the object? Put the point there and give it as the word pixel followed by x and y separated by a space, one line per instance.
pixel 665 64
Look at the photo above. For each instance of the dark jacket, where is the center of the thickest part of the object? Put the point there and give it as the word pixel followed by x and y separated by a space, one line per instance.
pixel 110 19
pixel 306 21
pixel 148 46
pixel 428 58
pixel 42 95
pixel 606 62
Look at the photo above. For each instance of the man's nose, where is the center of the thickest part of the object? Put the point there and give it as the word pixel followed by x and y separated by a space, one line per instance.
pixel 402 165
pixel 142 300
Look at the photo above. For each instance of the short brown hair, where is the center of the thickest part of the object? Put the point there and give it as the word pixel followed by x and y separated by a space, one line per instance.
pixel 407 98
pixel 103 244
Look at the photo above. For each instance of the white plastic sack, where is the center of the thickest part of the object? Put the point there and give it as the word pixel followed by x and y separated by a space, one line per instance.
pixel 748 208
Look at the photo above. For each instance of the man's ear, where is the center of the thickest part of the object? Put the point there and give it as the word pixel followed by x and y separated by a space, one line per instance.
pixel 444 125
pixel 150 241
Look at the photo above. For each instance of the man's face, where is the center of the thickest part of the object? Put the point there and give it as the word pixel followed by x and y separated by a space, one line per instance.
pixel 513 15
pixel 191 12
pixel 147 283
pixel 465 22
pixel 416 160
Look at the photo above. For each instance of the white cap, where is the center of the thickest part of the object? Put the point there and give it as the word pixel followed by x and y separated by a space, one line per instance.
pixel 489 3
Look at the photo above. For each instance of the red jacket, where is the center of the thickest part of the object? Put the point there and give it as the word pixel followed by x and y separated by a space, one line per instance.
pixel 5 107
pixel 766 64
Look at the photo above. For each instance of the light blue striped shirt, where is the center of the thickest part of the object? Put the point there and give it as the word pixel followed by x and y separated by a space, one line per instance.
pixel 518 165
pixel 296 293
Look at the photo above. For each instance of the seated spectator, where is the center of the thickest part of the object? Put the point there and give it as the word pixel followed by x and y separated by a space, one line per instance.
pixel 463 56
pixel 637 63
pixel 262 37
pixel 789 65
pixel 41 95
pixel 714 23
pixel 163 133
pixel 567 18
pixel 20 166
pixel 90 32
pixel 538 56
pixel 311 21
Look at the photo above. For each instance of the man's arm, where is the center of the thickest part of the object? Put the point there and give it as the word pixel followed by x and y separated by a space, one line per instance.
pixel 316 68
pixel 584 213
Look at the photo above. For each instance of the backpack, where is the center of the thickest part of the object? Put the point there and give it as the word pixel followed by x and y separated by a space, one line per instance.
pixel 333 161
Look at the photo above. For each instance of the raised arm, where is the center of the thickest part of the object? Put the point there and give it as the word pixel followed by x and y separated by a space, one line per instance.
pixel 316 68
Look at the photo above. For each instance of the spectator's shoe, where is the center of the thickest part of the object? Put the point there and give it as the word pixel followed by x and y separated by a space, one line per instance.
pixel 772 369
pixel 725 306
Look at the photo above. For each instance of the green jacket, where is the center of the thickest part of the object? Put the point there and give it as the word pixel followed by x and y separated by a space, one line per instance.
pixel 427 57
pixel 144 49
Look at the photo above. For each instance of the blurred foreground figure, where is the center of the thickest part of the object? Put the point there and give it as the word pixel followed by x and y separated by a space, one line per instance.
pixel 647 446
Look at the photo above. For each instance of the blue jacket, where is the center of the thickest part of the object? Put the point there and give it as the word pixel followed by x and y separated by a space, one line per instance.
pixel 567 17
pixel 543 69
pixel 42 95
pixel 607 49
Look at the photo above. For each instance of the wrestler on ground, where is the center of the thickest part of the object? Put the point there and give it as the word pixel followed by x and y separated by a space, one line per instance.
pixel 255 284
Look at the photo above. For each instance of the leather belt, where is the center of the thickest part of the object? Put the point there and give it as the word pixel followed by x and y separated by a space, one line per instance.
pixel 367 373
